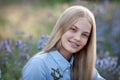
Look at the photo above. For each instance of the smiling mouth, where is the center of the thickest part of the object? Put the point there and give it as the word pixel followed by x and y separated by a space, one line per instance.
pixel 73 44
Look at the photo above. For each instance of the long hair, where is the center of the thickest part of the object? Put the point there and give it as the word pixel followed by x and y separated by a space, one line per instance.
pixel 84 60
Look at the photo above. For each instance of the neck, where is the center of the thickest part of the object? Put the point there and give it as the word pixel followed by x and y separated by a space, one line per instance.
pixel 66 54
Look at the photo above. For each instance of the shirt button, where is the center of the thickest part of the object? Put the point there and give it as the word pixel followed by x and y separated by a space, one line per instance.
pixel 67 70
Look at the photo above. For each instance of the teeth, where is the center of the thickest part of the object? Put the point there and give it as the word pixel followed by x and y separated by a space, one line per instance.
pixel 74 44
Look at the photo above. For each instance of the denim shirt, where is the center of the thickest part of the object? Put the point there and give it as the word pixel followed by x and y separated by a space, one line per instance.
pixel 50 66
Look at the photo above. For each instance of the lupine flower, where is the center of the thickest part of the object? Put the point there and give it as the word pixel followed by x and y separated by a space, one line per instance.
pixel 20 44
pixel 107 64
pixel 42 42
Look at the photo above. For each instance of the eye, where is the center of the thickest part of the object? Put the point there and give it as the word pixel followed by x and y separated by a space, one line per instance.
pixel 73 29
pixel 85 35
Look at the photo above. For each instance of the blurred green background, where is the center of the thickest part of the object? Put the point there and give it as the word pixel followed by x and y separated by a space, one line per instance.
pixel 23 22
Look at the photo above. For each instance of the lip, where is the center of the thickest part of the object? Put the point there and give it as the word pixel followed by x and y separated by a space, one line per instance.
pixel 73 44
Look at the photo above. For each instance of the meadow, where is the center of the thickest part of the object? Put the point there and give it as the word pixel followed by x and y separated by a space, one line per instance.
pixel 25 29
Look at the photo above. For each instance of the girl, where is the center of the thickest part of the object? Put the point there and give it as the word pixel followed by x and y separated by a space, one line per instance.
pixel 70 53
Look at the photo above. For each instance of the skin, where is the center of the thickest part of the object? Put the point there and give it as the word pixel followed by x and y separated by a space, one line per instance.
pixel 75 38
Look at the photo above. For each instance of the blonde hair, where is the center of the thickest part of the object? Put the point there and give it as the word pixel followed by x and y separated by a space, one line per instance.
pixel 84 62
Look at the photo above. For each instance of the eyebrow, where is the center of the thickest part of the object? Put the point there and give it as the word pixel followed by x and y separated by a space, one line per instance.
pixel 78 28
pixel 75 26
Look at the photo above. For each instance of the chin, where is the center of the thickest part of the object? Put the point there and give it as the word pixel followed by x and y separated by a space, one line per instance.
pixel 72 51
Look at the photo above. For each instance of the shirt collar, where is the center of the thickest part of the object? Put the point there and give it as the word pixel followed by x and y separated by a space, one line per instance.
pixel 60 60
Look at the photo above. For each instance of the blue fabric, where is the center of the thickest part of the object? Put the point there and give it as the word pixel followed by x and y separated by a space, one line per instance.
pixel 50 66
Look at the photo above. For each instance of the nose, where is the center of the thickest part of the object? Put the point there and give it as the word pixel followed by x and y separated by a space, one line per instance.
pixel 77 37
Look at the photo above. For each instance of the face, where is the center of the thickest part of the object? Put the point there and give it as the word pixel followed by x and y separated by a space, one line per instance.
pixel 76 37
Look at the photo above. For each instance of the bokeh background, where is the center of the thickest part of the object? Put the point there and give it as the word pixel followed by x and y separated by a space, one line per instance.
pixel 25 27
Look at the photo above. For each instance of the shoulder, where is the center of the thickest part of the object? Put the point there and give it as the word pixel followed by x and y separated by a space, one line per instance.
pixel 35 68
pixel 97 75
pixel 37 60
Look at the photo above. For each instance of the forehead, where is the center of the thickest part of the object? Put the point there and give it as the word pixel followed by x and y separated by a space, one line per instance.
pixel 83 24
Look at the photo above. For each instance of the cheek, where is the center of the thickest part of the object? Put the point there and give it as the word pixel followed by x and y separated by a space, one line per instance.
pixel 84 42
pixel 66 35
